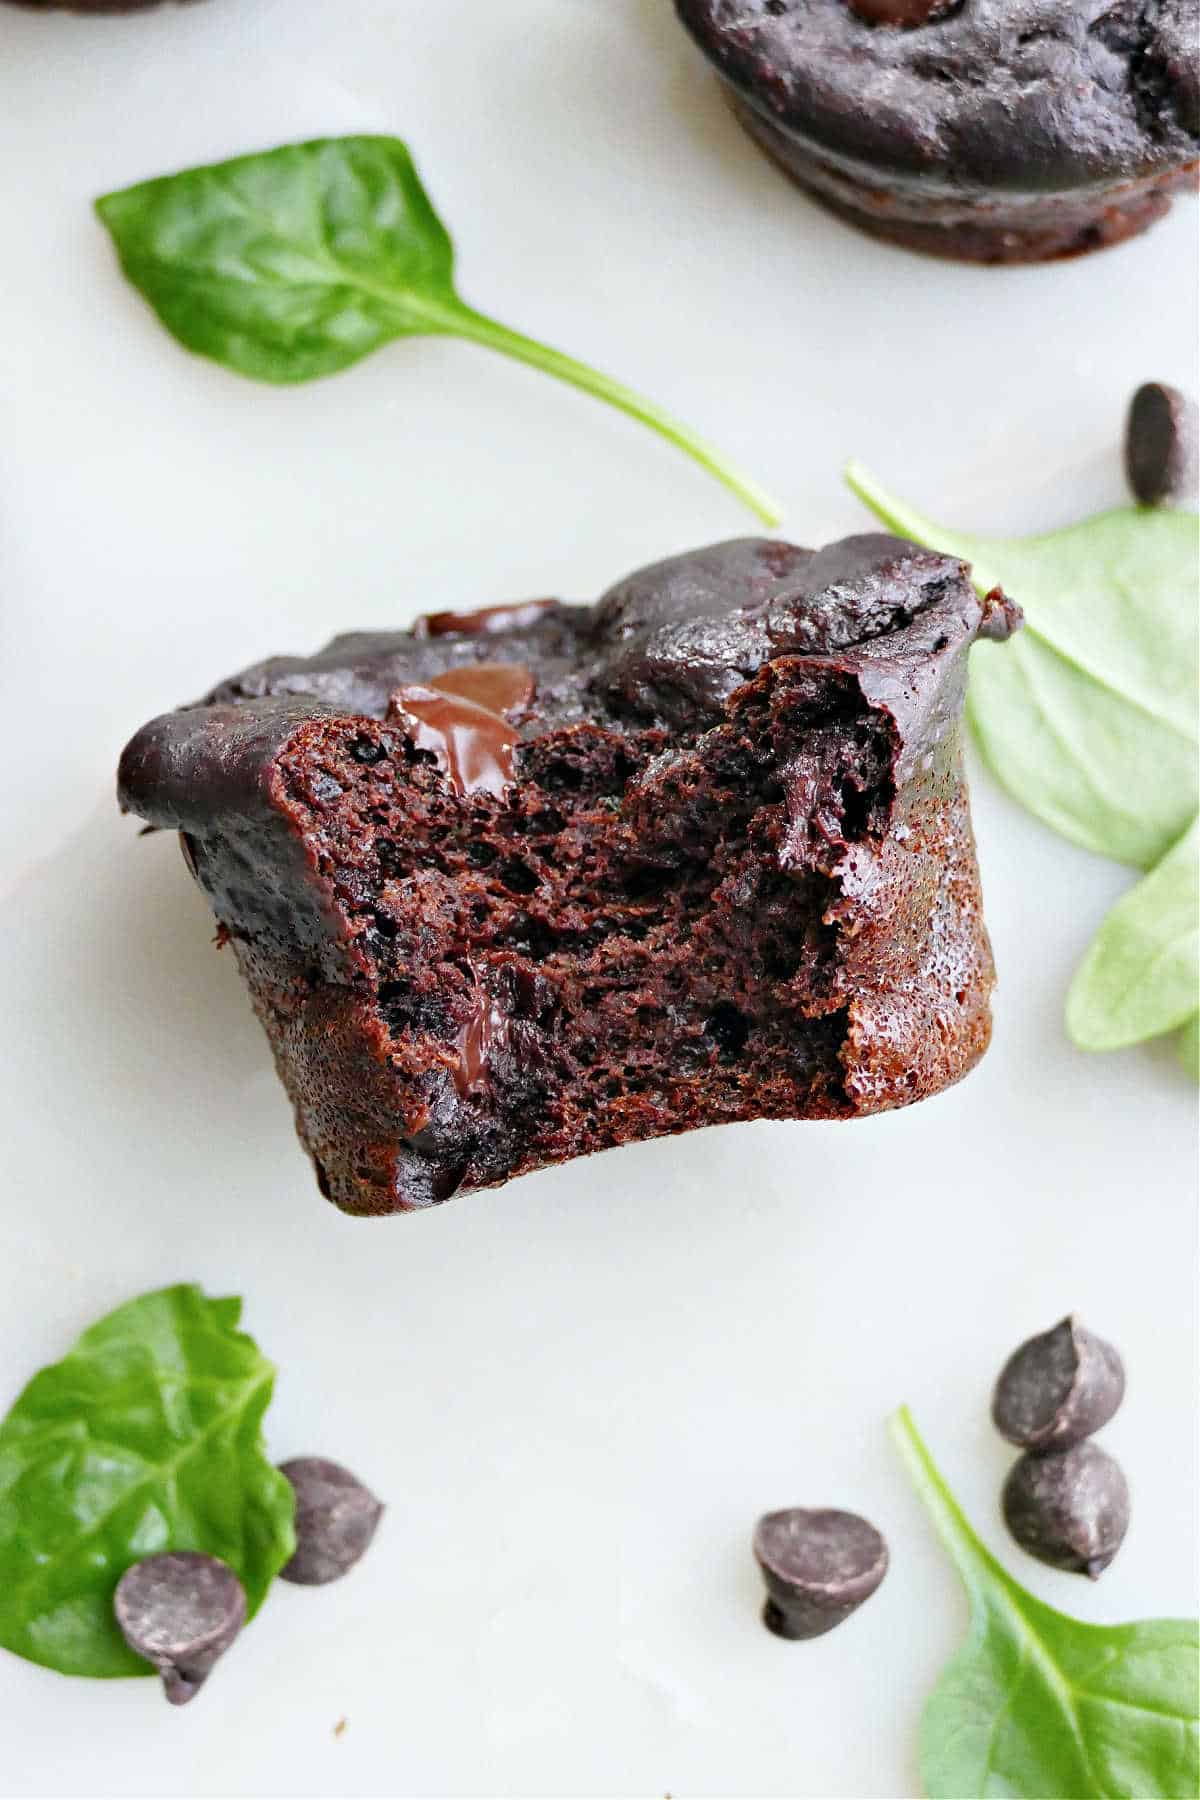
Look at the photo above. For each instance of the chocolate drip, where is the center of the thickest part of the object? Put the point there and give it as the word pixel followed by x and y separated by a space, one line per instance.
pixel 486 1030
pixel 482 621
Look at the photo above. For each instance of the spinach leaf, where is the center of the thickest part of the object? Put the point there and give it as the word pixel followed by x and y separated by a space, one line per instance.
pixel 145 1437
pixel 1141 975
pixel 1040 1705
pixel 1089 715
pixel 296 262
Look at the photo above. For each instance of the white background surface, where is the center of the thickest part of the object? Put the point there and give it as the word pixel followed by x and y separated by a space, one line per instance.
pixel 575 1394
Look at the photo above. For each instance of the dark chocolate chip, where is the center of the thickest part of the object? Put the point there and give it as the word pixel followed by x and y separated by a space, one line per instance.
pixel 902 12
pixel 819 1567
pixel 1058 1388
pixel 336 1518
pixel 181 1610
pixel 1069 1508
pixel 1162 432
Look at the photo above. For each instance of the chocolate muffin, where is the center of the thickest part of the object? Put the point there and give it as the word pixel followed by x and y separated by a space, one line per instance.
pixel 88 6
pixel 524 883
pixel 995 130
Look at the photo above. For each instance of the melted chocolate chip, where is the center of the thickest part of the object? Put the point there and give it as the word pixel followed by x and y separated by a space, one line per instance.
pixel 181 1610
pixel 505 1022
pixel 485 1031
pixel 498 687
pixel 902 12
pixel 482 621
pixel 473 746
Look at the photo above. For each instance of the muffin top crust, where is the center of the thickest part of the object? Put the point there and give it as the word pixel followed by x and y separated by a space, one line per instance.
pixel 1027 95
pixel 665 648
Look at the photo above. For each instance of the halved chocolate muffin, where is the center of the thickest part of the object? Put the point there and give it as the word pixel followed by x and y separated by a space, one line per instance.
pixel 994 130
pixel 524 883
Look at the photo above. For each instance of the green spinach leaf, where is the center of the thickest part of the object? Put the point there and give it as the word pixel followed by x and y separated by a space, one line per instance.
pixel 296 262
pixel 146 1436
pixel 1141 975
pixel 1042 1706
pixel 1089 715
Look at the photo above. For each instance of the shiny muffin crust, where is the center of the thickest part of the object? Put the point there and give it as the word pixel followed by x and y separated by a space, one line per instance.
pixel 993 130
pixel 529 882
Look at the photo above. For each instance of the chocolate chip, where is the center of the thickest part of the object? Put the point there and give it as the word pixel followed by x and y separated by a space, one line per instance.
pixel 1058 1388
pixel 1161 436
pixel 819 1567
pixel 1069 1508
pixel 181 1610
pixel 902 12
pixel 483 621
pixel 336 1518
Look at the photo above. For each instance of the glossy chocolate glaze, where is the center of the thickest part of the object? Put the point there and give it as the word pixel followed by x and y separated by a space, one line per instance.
pixel 705 852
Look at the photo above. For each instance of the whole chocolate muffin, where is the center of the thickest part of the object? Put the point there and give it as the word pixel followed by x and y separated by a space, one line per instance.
pixel 88 6
pixel 98 6
pixel 994 130
pixel 527 882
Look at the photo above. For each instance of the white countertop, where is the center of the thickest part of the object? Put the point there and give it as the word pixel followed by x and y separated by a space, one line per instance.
pixel 575 1394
